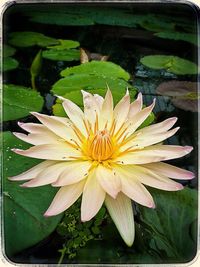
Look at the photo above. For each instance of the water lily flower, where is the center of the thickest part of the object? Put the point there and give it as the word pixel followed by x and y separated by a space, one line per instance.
pixel 101 154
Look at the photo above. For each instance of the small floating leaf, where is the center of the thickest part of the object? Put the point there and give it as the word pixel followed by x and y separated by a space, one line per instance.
pixel 62 55
pixel 9 63
pixel 65 44
pixel 26 39
pixel 18 101
pixel 172 64
pixel 8 51
pixel 182 36
pixel 100 68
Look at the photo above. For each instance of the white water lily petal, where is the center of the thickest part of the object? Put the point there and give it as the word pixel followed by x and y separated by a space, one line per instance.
pixel 135 106
pixel 92 199
pixel 121 212
pixel 132 187
pixel 91 107
pixel 65 197
pixel 99 100
pixel 150 178
pixel 51 152
pixel 109 181
pixel 153 153
pixel 73 173
pixel 160 127
pixel 142 139
pixel 33 172
pixel 121 111
pixel 48 175
pixel 106 114
pixel 169 170
pixel 33 127
pixel 39 139
pixel 138 119
pixel 75 114
pixel 64 130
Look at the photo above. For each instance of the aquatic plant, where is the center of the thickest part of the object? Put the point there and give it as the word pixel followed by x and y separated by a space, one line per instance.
pixel 99 153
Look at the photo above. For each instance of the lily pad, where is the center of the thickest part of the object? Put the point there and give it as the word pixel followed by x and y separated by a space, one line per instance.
pixel 89 82
pixel 172 64
pixel 182 36
pixel 65 44
pixel 18 101
pixel 103 68
pixel 62 55
pixel 26 39
pixel 24 223
pixel 9 63
pixel 169 224
pixel 8 51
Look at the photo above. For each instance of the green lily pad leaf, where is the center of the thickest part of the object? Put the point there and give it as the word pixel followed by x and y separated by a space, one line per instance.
pixel 24 223
pixel 172 64
pixel 18 101
pixel 9 63
pixel 182 36
pixel 65 44
pixel 103 68
pixel 88 82
pixel 169 224
pixel 62 55
pixel 8 51
pixel 59 18
pixel 156 24
pixel 26 39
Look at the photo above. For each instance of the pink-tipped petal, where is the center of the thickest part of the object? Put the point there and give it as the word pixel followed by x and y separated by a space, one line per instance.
pixel 92 199
pixel 121 111
pixel 170 171
pixel 33 172
pixel 135 107
pixel 121 212
pixel 75 114
pixel 133 188
pixel 64 198
pixel 153 153
pixel 50 152
pixel 106 114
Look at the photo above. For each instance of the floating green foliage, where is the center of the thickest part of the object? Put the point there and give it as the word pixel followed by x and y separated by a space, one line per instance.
pixel 172 64
pixel 8 51
pixel 62 55
pixel 9 63
pixel 24 223
pixel 76 233
pixel 182 36
pixel 102 68
pixel 65 44
pixel 85 15
pixel 26 39
pixel 89 82
pixel 156 23
pixel 18 101
pixel 169 224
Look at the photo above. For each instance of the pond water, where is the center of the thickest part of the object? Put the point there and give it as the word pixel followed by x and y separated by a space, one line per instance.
pixel 127 34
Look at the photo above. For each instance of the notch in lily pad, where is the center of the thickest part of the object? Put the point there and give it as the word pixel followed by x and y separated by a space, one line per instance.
pixel 172 64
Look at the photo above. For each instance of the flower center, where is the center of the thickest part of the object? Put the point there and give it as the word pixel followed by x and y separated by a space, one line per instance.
pixel 100 146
